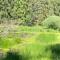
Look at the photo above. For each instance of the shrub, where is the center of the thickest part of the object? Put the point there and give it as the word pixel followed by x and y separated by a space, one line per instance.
pixel 52 22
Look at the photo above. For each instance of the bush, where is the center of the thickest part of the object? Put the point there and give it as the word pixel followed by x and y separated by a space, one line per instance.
pixel 52 22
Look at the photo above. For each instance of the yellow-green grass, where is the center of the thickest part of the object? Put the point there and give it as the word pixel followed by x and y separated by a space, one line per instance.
pixel 31 45
pixel 33 29
pixel 8 42
pixel 35 49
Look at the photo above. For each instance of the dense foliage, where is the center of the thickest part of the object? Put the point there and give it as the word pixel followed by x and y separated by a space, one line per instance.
pixel 52 22
pixel 28 12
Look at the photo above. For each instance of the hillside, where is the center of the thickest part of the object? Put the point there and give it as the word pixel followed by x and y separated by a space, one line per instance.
pixel 29 30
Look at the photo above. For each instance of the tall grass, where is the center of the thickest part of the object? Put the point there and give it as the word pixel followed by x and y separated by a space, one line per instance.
pixel 47 37
pixel 6 42
pixel 38 49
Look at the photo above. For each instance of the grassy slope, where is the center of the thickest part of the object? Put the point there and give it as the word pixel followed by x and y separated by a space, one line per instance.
pixel 35 42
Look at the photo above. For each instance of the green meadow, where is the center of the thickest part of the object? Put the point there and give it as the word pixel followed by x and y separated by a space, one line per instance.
pixel 30 43
pixel 29 29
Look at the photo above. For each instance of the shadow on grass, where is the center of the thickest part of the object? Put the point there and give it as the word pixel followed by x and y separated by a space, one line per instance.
pixel 14 56
pixel 55 50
